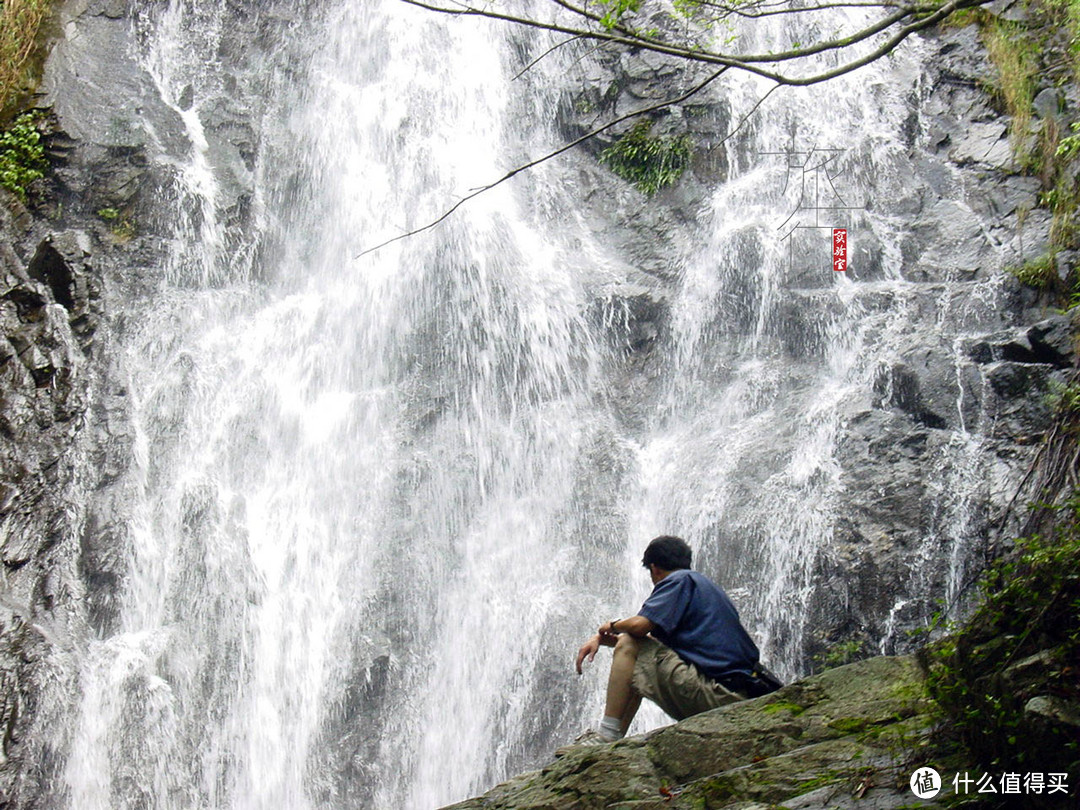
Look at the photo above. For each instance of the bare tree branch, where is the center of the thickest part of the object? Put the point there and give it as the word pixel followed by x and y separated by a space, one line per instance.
pixel 921 18
pixel 534 62
pixel 905 18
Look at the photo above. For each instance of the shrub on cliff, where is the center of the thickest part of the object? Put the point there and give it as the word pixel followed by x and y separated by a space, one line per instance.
pixel 649 162
pixel 22 155
pixel 1009 681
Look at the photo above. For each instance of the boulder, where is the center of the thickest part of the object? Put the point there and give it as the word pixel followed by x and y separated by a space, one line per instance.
pixel 838 732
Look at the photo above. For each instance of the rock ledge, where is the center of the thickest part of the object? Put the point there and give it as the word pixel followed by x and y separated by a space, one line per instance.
pixel 843 738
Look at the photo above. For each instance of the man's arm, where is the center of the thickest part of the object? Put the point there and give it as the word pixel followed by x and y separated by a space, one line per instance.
pixel 637 626
pixel 590 648
pixel 608 634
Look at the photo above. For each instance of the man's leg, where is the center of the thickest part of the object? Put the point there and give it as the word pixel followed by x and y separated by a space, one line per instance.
pixel 622 700
pixel 631 710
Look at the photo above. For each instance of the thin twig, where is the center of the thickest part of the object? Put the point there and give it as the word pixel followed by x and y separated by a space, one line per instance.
pixel 565 148
pixel 554 47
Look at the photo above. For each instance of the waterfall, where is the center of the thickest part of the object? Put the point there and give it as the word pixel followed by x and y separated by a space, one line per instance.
pixel 377 501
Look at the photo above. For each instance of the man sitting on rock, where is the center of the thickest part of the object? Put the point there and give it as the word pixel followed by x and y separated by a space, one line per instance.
pixel 685 650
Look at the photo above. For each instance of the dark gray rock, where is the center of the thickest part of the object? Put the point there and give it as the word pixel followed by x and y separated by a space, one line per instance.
pixel 1049 102
pixel 1019 404
pixel 43 397
pixel 962 59
pixel 1055 711
pixel 62 262
pixel 1053 341
pixel 1011 344
pixel 1065 263
pixel 933 385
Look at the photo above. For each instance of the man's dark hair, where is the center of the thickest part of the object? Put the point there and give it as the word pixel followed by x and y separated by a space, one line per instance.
pixel 667 552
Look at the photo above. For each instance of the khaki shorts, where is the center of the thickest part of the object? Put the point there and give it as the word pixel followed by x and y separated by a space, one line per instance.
pixel 677 687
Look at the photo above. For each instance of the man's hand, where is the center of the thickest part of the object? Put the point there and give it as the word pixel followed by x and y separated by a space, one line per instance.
pixel 588 650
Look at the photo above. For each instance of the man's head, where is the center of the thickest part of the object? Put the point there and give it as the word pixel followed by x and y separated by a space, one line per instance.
pixel 667 553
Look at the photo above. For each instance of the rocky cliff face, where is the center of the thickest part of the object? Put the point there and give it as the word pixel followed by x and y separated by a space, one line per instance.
pixel 850 737
pixel 998 696
pixel 60 258
pixel 48 308
pixel 78 256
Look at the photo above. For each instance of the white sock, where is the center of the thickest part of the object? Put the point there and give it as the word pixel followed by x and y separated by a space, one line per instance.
pixel 611 727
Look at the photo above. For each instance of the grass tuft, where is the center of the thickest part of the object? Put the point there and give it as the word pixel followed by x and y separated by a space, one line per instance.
pixel 20 21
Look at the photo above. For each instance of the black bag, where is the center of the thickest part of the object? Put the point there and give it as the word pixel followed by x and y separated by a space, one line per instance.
pixel 762 682
pixel 766 680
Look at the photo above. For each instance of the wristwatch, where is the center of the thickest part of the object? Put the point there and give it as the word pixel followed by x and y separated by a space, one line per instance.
pixel 612 629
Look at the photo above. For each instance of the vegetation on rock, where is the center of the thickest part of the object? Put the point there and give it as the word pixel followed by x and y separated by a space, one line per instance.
pixel 22 155
pixel 1041 50
pixel 20 21
pixel 649 162
pixel 1009 681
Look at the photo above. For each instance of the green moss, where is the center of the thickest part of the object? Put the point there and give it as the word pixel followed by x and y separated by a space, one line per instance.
pixel 913 691
pixel 820 781
pixel 784 705
pixel 713 792
pixel 849 725
pixel 649 162
pixel 838 655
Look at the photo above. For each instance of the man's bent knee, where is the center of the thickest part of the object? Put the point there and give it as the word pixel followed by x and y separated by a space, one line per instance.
pixel 627 644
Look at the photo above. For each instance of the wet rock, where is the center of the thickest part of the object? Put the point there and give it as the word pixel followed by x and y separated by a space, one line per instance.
pixel 1013 345
pixel 985 143
pixel 1020 406
pixel 101 94
pixel 43 396
pixel 961 58
pixel 62 262
pixel 931 385
pixel 946 243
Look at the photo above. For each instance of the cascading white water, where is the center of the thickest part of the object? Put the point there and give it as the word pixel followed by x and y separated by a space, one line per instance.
pixel 357 464
pixel 365 490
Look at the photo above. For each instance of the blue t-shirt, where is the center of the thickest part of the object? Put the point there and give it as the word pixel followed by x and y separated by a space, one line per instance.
pixel 695 618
